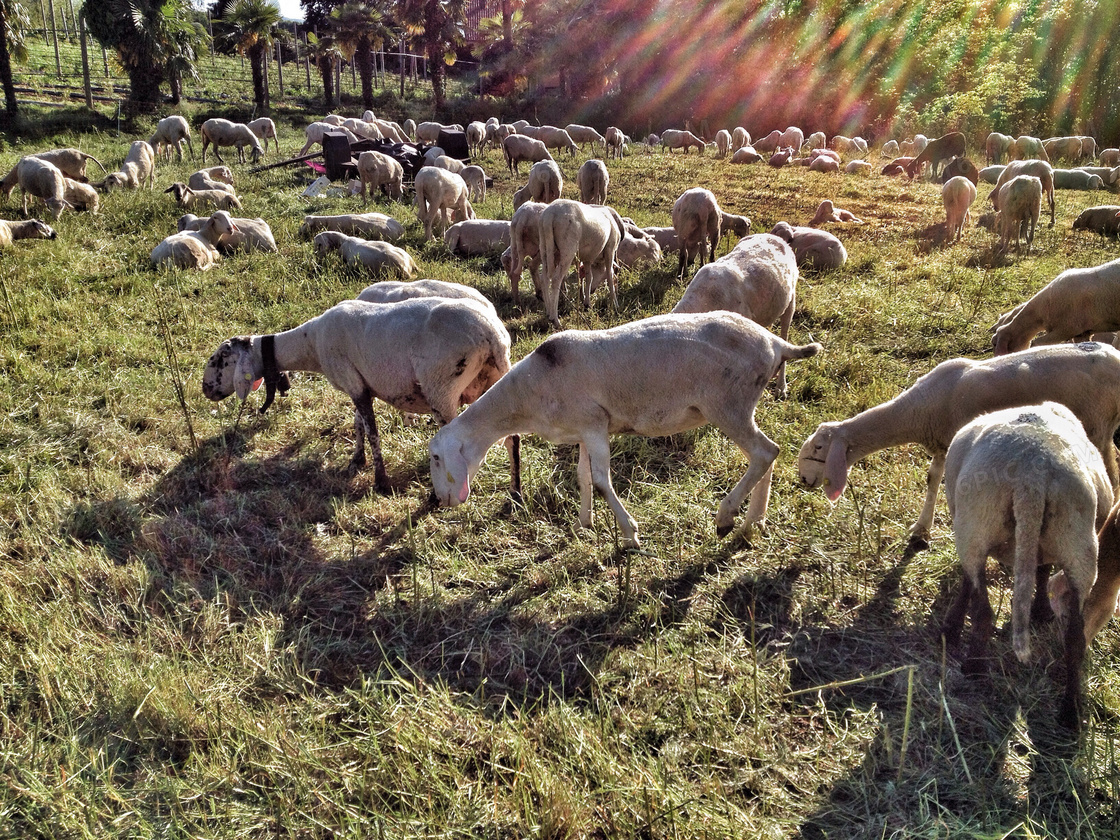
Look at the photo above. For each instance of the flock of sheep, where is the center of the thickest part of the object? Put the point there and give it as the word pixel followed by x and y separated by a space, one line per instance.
pixel 1023 441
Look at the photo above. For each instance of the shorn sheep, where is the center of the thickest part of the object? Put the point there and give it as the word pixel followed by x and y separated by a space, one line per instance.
pixel 422 356
pixel 1074 305
pixel 1102 219
pixel 545 184
pixel 365 225
pixel 593 180
pixel 570 230
pixel 194 249
pixel 942 149
pixel 316 130
pixel 30 229
pixel 139 166
pixel 584 134
pixel 615 141
pixel 757 279
pixel 474 176
pixel 519 147
pixel 675 138
pixel 374 255
pixel 634 250
pixel 1040 169
pixel 1083 377
pixel 190 199
pixel 815 249
pixel 247 234
pixel 957 195
pixel 217 132
pixel 394 291
pixel 440 193
pixel 524 248
pixel 477 237
pixel 80 196
pixel 656 376
pixel 829 212
pixel 170 133
pixel 1026 486
pixel 379 171
pixel 1019 204
pixel 697 219
pixel 42 180
pixel 265 129
pixel 1102 602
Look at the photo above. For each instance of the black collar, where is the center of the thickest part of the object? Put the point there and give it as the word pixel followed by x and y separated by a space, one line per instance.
pixel 274 378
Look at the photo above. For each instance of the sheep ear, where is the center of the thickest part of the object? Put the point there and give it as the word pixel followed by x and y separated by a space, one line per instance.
pixel 243 382
pixel 836 469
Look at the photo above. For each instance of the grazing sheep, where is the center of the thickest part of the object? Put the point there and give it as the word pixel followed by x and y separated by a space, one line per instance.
pixel 816 249
pixel 942 149
pixel 734 224
pixel 545 184
pixel 957 195
pixel 997 147
pixel 666 238
pixel 428 131
pixel 1026 147
pixel 1039 169
pixel 375 255
pixel 657 376
pixel 409 127
pixel 990 174
pixel 740 137
pixel 42 180
pixel 556 138
pixel 1025 486
pixel 265 129
pixel 1110 157
pixel 449 163
pixel 723 142
pixel 960 166
pixel 171 132
pixel 781 157
pixel 593 180
pixel 315 132
pixel 615 142
pixel 476 136
pixel 474 176
pixel 823 163
pixel 897 166
pixel 524 248
pixel 745 154
pixel 757 279
pixel 583 134
pixel 218 132
pixel 1077 179
pixel 379 171
pixel 519 147
pixel 569 231
pixel 816 140
pixel 1068 148
pixel 363 129
pixel 829 212
pixel 697 219
pixel 366 225
pixel 1084 377
pixel 30 229
pixel 1103 219
pixel 443 194
pixel 1102 602
pixel 635 250
pixel 332 120
pixel 477 237
pixel 889 150
pixel 70 162
pixel 194 249
pixel 857 167
pixel 1019 205
pixel 769 143
pixel 672 138
pixel 426 356
pixel 190 199
pixel 845 145
pixel 431 155
pixel 139 166
pixel 1074 305
pixel 80 196
pixel 246 235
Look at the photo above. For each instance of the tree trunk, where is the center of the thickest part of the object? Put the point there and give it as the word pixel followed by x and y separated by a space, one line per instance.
pixel 507 22
pixel 326 70
pixel 256 62
pixel 10 104
pixel 364 58
pixel 144 79
pixel 435 66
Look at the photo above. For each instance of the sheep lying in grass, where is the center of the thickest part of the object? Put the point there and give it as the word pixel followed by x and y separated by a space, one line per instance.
pixel 829 212
pixel 440 193
pixel 857 167
pixel 246 234
pixel 394 291
pixel 30 229
pixel 1077 179
pixel 1102 219
pixel 666 238
pixel 757 279
pixel 570 230
pixel 524 248
pixel 139 166
pixel 1026 486
pixel 746 154
pixel 477 237
pixel 593 180
pixel 1074 305
pixel 656 376
pixel 697 219
pixel 379 171
pixel 194 249
pixel 816 249
pixel 170 133
pixel 190 199
pixel 265 129
pixel 957 195
pixel 40 179
pixel 201 180
pixel 423 356
pixel 366 225
pixel 1084 377
pixel 217 132
pixel 374 255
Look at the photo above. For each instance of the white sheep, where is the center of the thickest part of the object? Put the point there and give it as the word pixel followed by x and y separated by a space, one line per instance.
pixel 545 184
pixel 1109 157
pixel 769 143
pixel 201 180
pixel 615 142
pixel 1102 602
pixel 363 129
pixel 139 166
pixel 477 237
pixel 1084 377
pixel 746 154
pixel 30 229
pixel 1025 147
pixel 793 137
pixel 332 120
pixel 432 154
pixel 1040 169
pixel 194 249
pixel 666 238
pixel 476 136
pixel 734 224
pixel 440 193
pixel 428 131
pixel 80 196
pixel 449 163
pixel 519 147
pixel 697 219
pixel 366 225
pixel 190 199
pixel 265 129
pixel 656 376
pixel 723 142
pixel 583 134
pixel 394 291
pixel 409 127
pixel 1110 175
pixel 1026 486
pixel 374 255
pixel 634 250
pixel 219 132
pixel 1074 305
pixel 593 180
pixel 426 356
pixel 246 234
pixel 170 133
pixel 1102 219
pixel 42 180
pixel 379 171
pixel 890 149
pixel 957 194
pixel 857 167
pixel 474 176
pixel 673 138
pixel 997 147
pixel 990 174
pixel 823 163
pixel 1019 205
pixel 816 140
pixel 740 137
pixel 570 230
pixel 816 249
pixel 829 212
pixel 1077 179
pixel 524 248
pixel 317 130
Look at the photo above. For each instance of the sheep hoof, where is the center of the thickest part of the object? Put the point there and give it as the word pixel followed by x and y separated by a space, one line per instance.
pixel 974 667
pixel 1069 714
pixel 917 543
pixel 723 530
pixel 357 463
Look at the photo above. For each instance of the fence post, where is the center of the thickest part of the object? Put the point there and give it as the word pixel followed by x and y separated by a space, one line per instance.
pixel 43 15
pixel 54 33
pixel 401 56
pixel 280 70
pixel 81 24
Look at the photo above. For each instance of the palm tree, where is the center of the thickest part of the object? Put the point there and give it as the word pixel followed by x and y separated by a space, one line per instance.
pixel 324 53
pixel 13 23
pixel 253 28
pixel 440 22
pixel 359 29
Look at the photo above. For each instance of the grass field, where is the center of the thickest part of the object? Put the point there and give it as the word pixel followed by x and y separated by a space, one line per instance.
pixel 209 628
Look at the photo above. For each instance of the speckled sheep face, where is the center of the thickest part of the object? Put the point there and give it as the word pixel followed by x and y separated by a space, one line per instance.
pixel 219 376
pixel 450 480
pixel 811 458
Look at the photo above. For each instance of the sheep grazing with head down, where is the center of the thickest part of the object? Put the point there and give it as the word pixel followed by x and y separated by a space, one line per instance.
pixel 524 249
pixel 635 250
pixel 441 194
pixel 425 356
pixel 379 171
pixel 740 137
pixel 545 184
pixel 593 180
pixel 815 249
pixel 615 142
pixel 474 176
pixel 657 376
pixel 194 249
pixel 40 179
pixel 570 230
pixel 997 147
pixel 316 131
pixel 942 149
pixel 584 134
pixel 375 256
pixel 217 132
pixel 1040 169
pixel 723 143
pixel 957 195
pixel 80 196
pixel 520 147
pixel 697 219
pixel 1026 486
pixel 170 133
pixel 265 129
pixel 674 138
pixel 1019 205
pixel 139 166
pixel 1103 219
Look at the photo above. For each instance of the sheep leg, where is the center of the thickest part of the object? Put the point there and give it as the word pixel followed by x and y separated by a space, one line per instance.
pixel 363 404
pixel 583 476
pixel 787 319
pixel 1069 713
pixel 983 623
pixel 954 619
pixel 762 453
pixel 1041 611
pixel 919 532
pixel 513 446
pixel 597 451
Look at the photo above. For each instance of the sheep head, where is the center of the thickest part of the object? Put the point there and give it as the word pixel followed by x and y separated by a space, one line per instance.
pixel 450 470
pixel 230 370
pixel 823 461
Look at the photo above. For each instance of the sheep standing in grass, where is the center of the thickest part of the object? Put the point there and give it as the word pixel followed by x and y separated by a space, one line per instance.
pixel 957 195
pixel 217 132
pixel 379 171
pixel 423 356
pixel 139 166
pixel 584 134
pixel 569 231
pixel 635 250
pixel 42 180
pixel 615 142
pixel 476 136
pixel 1102 602
pixel 440 193
pixel 673 138
pixel 80 196
pixel 1026 486
pixel 374 255
pixel 997 147
pixel 30 229
pixel 657 376
pixel 1084 377
pixel 194 249
pixel 366 225
pixel 519 147
pixel 1019 203
pixel 593 180
pixel 524 248
pixel 317 130
pixel 265 129
pixel 474 177
pixel 697 219
pixel 170 133
pixel 1040 169
pixel 190 199
pixel 723 143
pixel 545 184
pixel 245 234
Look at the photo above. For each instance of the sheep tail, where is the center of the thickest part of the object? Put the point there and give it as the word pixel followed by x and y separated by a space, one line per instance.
pixel 95 160
pixel 1028 506
pixel 804 351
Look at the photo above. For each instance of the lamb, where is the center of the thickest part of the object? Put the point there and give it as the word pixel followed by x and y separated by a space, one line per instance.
pixel 672 138
pixel 189 199
pixel 1077 179
pixel 427 355
pixel 315 132
pixel 740 137
pixel 961 166
pixel 476 136
pixel 1039 169
pixel 1026 486
pixel 957 195
pixel 697 219
pixel 1074 305
pixel 569 231
pixel 997 146
pixel 657 376
pixel 615 142
pixel 734 224
pixel 30 229
pixel 829 212
pixel 634 250
pixel 897 166
pixel 394 291
pixel 218 132
pixel 524 248
pixel 1084 377
pixel 80 196
pixel 374 255
pixel 593 180
pixel 757 279
pixel 139 166
pixel 43 180
pixel 816 249
pixel 943 148
pixel 817 140
pixel 477 237
pixel 246 235
pixel 170 133
pixel 1019 204
pixel 519 147
pixel 723 142
pixel 379 171
pixel 432 155
pixel 194 249
pixel 582 134
pixel 265 129
pixel 449 163
pixel 1103 219
pixel 545 184
pixel 366 225
pixel 409 127
pixel 441 193
pixel 890 149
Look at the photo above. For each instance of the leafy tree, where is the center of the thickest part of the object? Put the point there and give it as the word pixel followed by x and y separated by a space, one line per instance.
pixel 324 53
pixel 440 23
pixel 358 28
pixel 252 30
pixel 13 23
